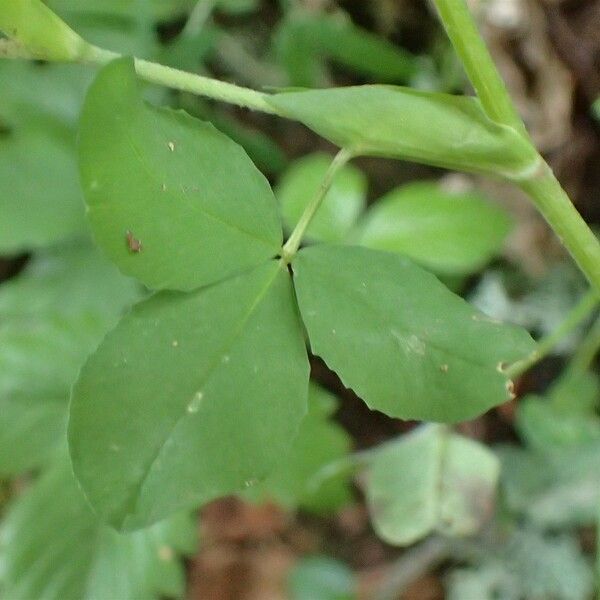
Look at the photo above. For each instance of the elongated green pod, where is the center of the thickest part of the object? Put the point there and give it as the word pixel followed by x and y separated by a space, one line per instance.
pixel 437 129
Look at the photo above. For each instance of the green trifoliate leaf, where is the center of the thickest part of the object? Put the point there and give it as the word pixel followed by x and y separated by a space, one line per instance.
pixel 449 233
pixel 431 356
pixel 431 480
pixel 171 200
pixel 191 397
pixel 51 317
pixel 52 546
pixel 341 207
pixel 431 128
pixel 293 483
pixel 39 31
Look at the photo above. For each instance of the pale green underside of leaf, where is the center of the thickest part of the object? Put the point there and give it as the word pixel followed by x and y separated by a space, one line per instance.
pixel 449 233
pixel 171 200
pixel 431 356
pixel 319 442
pixel 191 397
pixel 52 546
pixel 437 129
pixel 341 207
pixel 431 480
pixel 51 317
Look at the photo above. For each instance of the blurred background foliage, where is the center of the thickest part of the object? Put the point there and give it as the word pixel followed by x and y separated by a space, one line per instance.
pixel 503 507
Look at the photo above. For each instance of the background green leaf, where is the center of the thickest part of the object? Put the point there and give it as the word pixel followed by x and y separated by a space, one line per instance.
pixel 40 199
pixel 431 480
pixel 341 207
pixel 319 442
pixel 431 355
pixel 447 232
pixel 531 565
pixel 191 397
pixel 51 317
pixel 305 40
pixel 431 128
pixel 323 578
pixel 171 200
pixel 52 546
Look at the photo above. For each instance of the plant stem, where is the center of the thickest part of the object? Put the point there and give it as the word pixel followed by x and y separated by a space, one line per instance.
pixel 554 204
pixel 543 188
pixel 478 63
pixel 291 246
pixel 189 82
pixel 198 17
pixel 578 314
pixel 412 564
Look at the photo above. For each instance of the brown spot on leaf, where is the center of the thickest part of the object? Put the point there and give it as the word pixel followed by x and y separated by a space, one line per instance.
pixel 133 244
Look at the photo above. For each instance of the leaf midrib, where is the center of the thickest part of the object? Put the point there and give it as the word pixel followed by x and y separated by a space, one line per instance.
pixel 200 208
pixel 134 498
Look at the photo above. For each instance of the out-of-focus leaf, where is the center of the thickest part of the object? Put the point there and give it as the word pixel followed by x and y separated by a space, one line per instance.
pixel 304 41
pixel 530 566
pixel 40 199
pixel 51 316
pixel 431 480
pixel 172 201
pixel 318 443
pixel 341 207
pixel 438 129
pixel 449 233
pixel 576 392
pixel 52 546
pixel 431 356
pixel 559 488
pixel 596 109
pixel 322 578
pixel 488 581
pixel 263 151
pixel 161 9
pixel 237 7
pixel 545 427
pixel 541 308
pixel 62 88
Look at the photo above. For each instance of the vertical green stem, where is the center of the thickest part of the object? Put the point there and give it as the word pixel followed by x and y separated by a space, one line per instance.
pixel 478 63
pixel 554 204
pixel 543 188
pixel 291 246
